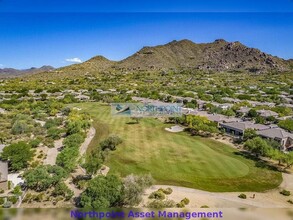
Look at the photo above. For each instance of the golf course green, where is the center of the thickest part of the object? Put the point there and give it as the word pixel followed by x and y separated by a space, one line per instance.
pixel 176 158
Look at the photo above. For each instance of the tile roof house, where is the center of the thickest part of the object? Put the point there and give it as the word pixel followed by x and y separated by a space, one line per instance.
pixel 213 117
pixel 267 113
pixel 243 110
pixel 238 128
pixel 281 136
pixel 82 97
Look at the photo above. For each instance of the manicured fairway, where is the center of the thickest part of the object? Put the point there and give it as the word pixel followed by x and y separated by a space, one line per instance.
pixel 177 158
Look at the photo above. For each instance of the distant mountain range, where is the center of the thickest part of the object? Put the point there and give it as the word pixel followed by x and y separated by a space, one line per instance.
pixel 10 72
pixel 217 56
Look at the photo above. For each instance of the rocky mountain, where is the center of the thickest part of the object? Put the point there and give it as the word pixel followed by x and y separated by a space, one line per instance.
pixel 97 63
pixel 10 72
pixel 217 56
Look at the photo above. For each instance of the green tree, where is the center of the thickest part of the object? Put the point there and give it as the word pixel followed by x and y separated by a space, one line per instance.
pixel 257 146
pixel 54 133
pixel 199 123
pixel 19 127
pixel 102 192
pixel 252 113
pixel 74 127
pixel 282 110
pixel 93 161
pixel 43 177
pixel 111 142
pixel 134 187
pixel 67 158
pixel 62 190
pixel 74 140
pixel 18 155
pixel 249 134
pixel 286 124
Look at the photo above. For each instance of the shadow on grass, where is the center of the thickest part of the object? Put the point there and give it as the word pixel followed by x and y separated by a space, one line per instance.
pixel 258 161
pixel 131 123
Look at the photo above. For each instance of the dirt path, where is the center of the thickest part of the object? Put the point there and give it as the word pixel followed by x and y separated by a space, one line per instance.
pixel 53 152
pixel 82 150
pixel 198 198
pixel 90 135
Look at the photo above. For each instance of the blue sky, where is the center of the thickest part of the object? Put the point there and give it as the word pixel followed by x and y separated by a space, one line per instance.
pixel 34 34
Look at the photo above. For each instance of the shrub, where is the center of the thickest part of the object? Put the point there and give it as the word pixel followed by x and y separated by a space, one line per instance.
pixel 134 187
pixel 242 196
pixel 13 199
pixel 180 205
pixel 74 140
pixel 1 191
pixel 17 190
pixel 157 195
pixel 9 184
pixel 204 206
pixel 53 123
pixel 34 143
pixel 290 201
pixel 285 192
pixel 158 204
pixel 185 201
pixel 1 201
pixel 27 198
pixel 54 133
pixel 7 204
pixel 19 127
pixel 167 191
pixel 111 143
pixel 49 142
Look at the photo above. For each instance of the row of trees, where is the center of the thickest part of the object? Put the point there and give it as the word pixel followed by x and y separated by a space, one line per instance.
pixel 199 124
pixel 97 156
pixel 49 177
pixel 18 155
pixel 261 147
pixel 76 126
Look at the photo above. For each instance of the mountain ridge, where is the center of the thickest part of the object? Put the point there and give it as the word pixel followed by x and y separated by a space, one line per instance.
pixel 217 56
pixel 11 72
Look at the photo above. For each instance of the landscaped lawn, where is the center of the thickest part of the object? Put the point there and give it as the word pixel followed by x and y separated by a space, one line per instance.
pixel 176 158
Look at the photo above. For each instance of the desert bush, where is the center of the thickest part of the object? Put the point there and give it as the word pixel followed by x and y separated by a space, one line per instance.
pixel 242 196
pixel 157 195
pixel 134 187
pixel 180 205
pixel 185 201
pixel 34 143
pixel 285 192
pixel 12 199
pixel 204 206
pixel 7 204
pixel 166 191
pixel 290 201
pixel 17 190
pixel 158 204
